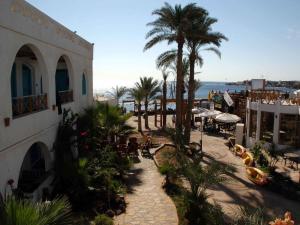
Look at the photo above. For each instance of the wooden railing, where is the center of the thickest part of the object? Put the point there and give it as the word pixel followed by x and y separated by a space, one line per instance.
pixel 29 104
pixel 63 97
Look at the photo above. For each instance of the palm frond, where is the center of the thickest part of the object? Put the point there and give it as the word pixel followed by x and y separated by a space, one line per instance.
pixel 158 38
pixel 166 58
pixel 215 50
pixel 25 212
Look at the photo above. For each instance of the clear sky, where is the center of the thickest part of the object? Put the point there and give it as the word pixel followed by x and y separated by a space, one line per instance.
pixel 264 38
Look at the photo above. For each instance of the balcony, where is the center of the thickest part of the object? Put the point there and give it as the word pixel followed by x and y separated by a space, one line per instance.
pixel 29 104
pixel 63 97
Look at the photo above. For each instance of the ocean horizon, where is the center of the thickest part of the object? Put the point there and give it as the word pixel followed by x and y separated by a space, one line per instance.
pixel 202 92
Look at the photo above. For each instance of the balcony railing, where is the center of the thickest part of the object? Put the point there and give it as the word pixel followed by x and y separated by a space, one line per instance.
pixel 29 104
pixel 265 95
pixel 63 97
pixel 270 97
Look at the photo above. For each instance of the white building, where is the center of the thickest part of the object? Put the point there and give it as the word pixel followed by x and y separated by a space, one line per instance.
pixel 274 119
pixel 42 64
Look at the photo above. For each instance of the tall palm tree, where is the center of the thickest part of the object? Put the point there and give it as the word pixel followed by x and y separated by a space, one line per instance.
pixel 118 92
pixel 170 26
pixel 25 212
pixel 150 89
pixel 164 98
pixel 138 94
pixel 200 34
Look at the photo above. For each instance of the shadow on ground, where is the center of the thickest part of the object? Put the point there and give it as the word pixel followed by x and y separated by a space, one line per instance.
pixel 240 192
pixel 133 179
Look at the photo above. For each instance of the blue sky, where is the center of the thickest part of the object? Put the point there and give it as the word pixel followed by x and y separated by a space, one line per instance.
pixel 264 38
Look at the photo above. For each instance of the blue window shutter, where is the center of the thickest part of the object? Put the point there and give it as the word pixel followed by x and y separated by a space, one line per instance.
pixel 26 80
pixel 62 80
pixel 13 82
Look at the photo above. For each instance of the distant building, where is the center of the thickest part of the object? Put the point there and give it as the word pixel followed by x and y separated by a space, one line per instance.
pixel 43 66
pixel 105 99
pixel 258 84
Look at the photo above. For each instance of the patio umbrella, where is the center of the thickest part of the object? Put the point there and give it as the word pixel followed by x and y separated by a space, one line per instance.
pixel 209 113
pixel 198 110
pixel 227 118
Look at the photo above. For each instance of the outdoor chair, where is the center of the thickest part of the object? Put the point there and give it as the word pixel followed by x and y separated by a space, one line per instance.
pixel 133 147
pixel 146 145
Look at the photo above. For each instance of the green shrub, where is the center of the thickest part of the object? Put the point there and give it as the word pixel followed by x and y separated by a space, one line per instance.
pixel 249 216
pixel 103 219
pixel 166 169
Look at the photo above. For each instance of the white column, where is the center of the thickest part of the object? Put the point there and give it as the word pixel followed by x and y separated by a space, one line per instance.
pixel 258 120
pixel 276 122
pixel 248 111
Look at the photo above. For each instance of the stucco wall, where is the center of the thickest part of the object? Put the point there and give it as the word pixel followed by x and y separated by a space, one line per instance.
pixel 21 24
pixel 277 108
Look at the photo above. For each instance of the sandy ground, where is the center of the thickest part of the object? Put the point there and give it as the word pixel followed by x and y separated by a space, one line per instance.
pixel 239 191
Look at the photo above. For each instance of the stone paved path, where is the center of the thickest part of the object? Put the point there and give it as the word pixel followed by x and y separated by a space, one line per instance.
pixel 239 191
pixel 147 203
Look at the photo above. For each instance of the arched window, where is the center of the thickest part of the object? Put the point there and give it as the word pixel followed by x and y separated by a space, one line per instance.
pixel 83 84
pixel 26 88
pixel 64 93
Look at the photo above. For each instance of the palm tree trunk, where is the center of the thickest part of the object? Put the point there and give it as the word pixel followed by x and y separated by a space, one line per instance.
pixel 139 118
pixel 164 104
pixel 191 96
pixel 146 113
pixel 179 87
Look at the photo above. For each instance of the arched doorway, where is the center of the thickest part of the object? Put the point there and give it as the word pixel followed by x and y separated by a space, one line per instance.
pixel 27 82
pixel 34 169
pixel 63 84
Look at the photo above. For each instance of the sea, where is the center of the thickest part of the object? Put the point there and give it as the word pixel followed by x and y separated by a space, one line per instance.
pixel 202 92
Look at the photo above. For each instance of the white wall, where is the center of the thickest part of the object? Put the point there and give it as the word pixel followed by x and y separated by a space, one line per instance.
pixel 277 108
pixel 21 24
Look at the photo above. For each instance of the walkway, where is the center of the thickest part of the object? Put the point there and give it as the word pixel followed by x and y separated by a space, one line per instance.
pixel 239 191
pixel 147 203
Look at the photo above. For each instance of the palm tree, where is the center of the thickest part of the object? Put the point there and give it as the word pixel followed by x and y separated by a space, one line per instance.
pixel 164 99
pixel 118 92
pixel 199 178
pixel 150 89
pixel 200 34
pixel 171 26
pixel 25 212
pixel 138 94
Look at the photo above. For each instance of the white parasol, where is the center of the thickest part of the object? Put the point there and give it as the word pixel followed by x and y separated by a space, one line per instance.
pixel 199 110
pixel 209 113
pixel 227 118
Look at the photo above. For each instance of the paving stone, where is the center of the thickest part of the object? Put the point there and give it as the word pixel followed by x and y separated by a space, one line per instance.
pixel 147 202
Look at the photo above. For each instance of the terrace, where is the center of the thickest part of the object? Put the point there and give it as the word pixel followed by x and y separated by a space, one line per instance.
pixel 273 96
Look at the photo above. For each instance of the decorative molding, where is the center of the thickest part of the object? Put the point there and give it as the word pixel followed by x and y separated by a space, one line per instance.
pixel 26 10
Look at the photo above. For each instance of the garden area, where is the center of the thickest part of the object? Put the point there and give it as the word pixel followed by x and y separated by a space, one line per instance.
pixel 89 172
